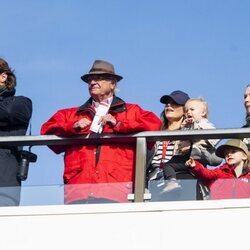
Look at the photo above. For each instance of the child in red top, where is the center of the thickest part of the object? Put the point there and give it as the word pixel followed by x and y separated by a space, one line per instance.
pixel 231 180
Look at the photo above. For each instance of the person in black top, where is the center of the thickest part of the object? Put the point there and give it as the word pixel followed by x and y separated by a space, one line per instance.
pixel 15 114
pixel 247 105
pixel 247 117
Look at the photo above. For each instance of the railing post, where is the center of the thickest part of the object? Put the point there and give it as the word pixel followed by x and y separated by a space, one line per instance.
pixel 141 150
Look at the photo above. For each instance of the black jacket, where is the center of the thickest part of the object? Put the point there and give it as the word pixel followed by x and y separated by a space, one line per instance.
pixel 15 114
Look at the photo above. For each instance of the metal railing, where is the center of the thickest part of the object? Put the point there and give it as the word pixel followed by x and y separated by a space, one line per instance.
pixel 140 139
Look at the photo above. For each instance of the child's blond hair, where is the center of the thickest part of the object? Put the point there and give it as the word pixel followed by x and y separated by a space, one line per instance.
pixel 202 101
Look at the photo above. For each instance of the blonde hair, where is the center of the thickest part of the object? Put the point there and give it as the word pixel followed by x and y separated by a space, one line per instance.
pixel 202 101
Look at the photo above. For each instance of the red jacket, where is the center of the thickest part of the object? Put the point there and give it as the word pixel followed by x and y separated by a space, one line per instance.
pixel 101 171
pixel 222 181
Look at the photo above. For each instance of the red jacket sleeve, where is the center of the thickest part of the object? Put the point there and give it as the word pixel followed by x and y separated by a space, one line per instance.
pixel 60 124
pixel 207 176
pixel 137 120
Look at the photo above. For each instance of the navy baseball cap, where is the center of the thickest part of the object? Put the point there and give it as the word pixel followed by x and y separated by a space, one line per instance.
pixel 177 96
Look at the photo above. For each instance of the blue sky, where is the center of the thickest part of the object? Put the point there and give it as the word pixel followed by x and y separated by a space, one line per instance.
pixel 199 46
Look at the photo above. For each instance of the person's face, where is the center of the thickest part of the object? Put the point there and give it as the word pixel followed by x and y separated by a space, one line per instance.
pixel 3 77
pixel 101 87
pixel 194 110
pixel 247 100
pixel 234 156
pixel 173 111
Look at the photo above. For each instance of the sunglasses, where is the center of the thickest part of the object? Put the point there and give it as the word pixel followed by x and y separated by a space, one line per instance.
pixel 100 78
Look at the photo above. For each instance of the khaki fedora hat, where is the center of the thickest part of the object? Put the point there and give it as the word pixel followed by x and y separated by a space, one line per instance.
pixel 101 67
pixel 231 143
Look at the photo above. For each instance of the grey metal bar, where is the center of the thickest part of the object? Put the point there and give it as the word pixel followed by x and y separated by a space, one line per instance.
pixel 196 134
pixel 36 140
pixel 140 169
pixel 139 138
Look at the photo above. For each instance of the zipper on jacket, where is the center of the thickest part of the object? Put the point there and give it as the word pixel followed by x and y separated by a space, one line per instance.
pixel 234 187
pixel 97 155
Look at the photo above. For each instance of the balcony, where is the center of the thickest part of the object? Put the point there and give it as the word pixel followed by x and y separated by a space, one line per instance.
pixel 146 221
pixel 140 193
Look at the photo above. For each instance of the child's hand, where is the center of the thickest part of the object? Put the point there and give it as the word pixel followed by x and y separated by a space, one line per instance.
pixel 189 120
pixel 190 163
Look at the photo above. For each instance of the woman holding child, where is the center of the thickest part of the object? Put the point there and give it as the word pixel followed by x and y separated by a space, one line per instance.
pixel 175 115
pixel 172 117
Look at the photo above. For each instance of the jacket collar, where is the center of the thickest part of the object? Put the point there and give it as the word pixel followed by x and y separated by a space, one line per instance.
pixel 228 169
pixel 117 105
pixel 247 122
pixel 7 93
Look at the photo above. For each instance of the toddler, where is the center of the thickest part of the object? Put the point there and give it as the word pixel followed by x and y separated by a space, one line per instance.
pixel 196 117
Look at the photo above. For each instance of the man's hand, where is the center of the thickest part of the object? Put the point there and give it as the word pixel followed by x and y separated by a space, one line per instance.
pixel 107 119
pixel 82 123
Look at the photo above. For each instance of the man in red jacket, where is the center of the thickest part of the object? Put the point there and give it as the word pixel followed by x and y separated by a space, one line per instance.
pixel 102 172
pixel 232 179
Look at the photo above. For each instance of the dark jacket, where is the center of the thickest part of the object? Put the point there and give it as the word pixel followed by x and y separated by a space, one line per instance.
pixel 15 114
pixel 247 125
